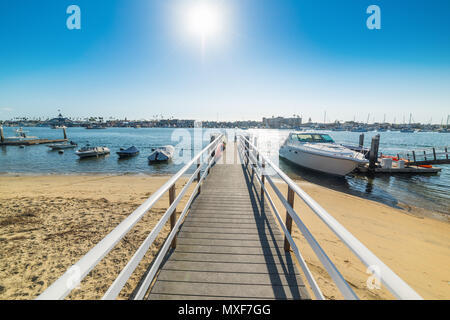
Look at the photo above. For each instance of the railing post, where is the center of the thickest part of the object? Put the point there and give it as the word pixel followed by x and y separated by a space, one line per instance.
pixel 263 179
pixel 198 177
pixel 213 153
pixel 290 199
pixel 247 150
pixel 173 217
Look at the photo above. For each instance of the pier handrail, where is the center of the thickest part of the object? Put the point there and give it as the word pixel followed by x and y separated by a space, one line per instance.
pixel 392 281
pixel 65 284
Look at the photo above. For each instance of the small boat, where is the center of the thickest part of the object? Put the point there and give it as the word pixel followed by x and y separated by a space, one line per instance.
pixel 126 153
pixel 318 151
pixel 161 154
pixel 21 135
pixel 60 146
pixel 89 151
pixel 359 129
pixel 407 130
pixel 95 127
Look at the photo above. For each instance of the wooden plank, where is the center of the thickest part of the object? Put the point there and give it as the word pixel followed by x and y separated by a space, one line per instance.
pixel 227 290
pixel 231 258
pixel 232 230
pixel 157 296
pixel 210 235
pixel 230 243
pixel 227 277
pixel 236 268
pixel 267 250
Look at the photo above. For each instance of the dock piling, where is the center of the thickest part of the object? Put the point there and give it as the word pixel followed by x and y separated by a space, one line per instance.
pixel 361 140
pixel 65 133
pixel 2 137
pixel 373 155
pixel 434 154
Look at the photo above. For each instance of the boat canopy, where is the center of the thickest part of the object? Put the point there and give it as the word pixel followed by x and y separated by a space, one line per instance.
pixel 312 137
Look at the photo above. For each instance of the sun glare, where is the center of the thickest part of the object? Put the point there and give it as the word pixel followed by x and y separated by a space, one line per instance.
pixel 204 20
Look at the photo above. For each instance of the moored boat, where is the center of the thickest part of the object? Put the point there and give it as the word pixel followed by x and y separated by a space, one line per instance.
pixel 89 151
pixel 318 151
pixel 21 135
pixel 161 154
pixel 126 153
pixel 60 146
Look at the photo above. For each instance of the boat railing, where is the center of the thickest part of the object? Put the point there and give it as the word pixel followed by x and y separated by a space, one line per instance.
pixel 62 287
pixel 259 164
pixel 425 154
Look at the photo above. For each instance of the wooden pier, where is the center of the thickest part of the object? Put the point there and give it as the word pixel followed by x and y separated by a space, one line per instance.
pixel 29 142
pixel 414 163
pixel 229 247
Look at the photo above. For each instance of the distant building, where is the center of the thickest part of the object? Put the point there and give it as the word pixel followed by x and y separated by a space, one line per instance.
pixel 281 122
pixel 60 121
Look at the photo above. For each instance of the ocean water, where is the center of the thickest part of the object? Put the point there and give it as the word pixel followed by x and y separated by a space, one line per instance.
pixel 425 191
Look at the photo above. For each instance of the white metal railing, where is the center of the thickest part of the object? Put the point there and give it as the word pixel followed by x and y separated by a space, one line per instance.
pixel 65 284
pixel 250 155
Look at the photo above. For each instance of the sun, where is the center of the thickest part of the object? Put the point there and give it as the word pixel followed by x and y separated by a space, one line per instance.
pixel 204 20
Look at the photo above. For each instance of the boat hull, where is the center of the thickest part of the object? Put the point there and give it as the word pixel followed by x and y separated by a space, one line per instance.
pixel 92 153
pixel 158 156
pixel 317 162
pixel 127 154
pixel 60 147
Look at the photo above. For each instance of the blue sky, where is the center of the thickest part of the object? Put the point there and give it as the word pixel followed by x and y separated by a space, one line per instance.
pixel 136 59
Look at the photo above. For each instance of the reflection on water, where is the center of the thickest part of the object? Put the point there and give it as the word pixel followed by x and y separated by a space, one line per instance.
pixel 361 186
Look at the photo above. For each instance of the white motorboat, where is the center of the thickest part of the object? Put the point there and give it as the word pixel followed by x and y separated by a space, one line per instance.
pixel 60 146
pixel 21 135
pixel 318 151
pixel 89 151
pixel 161 154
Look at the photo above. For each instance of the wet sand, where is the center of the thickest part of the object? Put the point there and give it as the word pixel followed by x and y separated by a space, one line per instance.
pixel 47 223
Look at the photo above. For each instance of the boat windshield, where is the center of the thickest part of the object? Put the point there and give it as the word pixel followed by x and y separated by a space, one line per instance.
pixel 320 138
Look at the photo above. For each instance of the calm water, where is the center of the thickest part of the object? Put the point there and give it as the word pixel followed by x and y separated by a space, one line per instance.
pixel 426 191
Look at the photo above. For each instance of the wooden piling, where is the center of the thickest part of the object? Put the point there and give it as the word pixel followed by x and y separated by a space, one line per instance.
pixel 65 133
pixel 290 199
pixel 2 137
pixel 434 154
pixel 361 140
pixel 173 217
pixel 373 155
pixel 414 155
pixel 446 152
